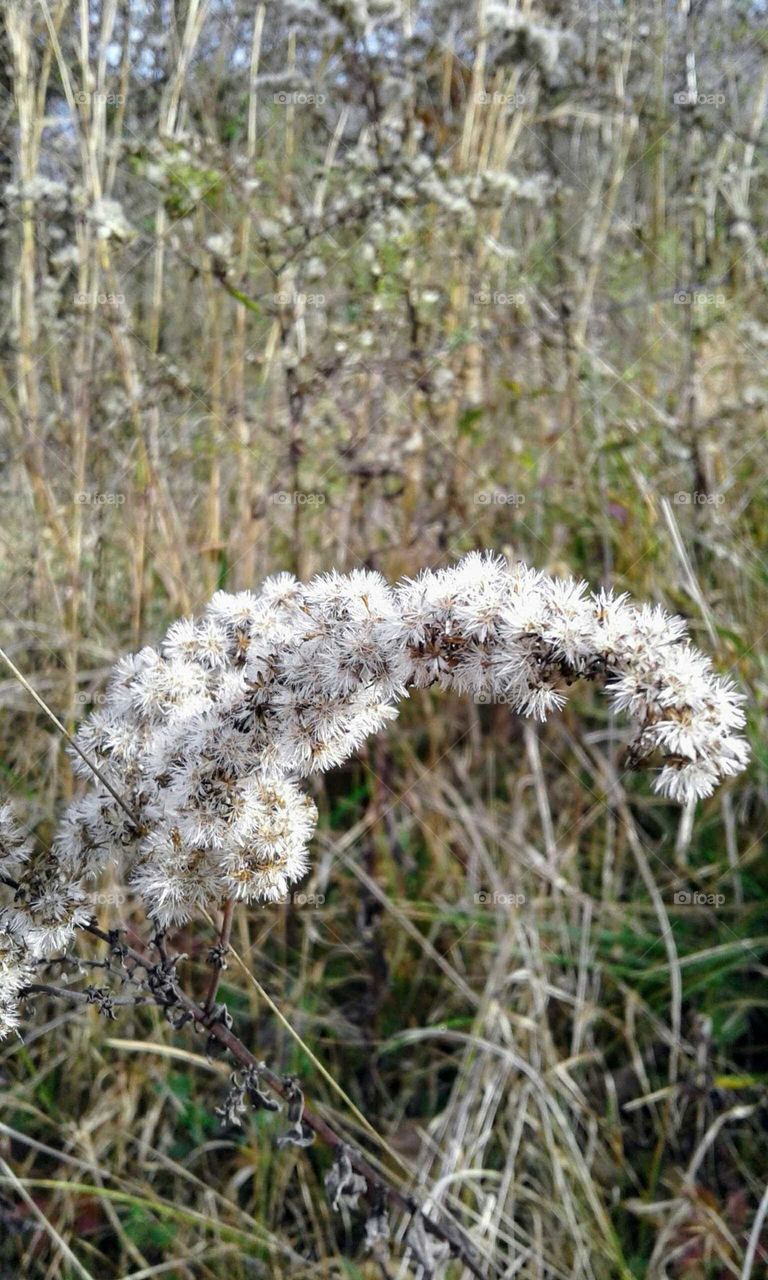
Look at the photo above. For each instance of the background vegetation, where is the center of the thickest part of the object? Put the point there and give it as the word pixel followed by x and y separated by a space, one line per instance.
pixel 308 285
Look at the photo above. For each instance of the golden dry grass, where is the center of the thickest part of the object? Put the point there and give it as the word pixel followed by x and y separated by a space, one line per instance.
pixel 501 975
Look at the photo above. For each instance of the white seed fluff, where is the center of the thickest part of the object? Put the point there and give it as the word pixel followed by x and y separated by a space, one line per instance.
pixel 207 737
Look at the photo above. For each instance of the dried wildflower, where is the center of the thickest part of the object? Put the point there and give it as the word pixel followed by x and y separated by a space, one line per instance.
pixel 343 1185
pixel 261 1100
pixel 103 999
pixel 110 221
pixel 15 974
pixel 299 1134
pixel 14 848
pixel 207 737
pixel 233 1106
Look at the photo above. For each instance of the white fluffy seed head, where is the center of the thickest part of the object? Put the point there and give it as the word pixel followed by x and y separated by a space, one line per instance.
pixel 205 737
pixel 15 974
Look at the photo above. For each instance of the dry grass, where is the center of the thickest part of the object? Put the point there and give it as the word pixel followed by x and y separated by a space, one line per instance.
pixel 500 976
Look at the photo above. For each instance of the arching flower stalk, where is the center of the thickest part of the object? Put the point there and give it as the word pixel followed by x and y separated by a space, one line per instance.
pixel 207 737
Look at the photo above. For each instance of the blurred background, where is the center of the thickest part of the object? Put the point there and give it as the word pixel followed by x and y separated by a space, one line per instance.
pixel 321 284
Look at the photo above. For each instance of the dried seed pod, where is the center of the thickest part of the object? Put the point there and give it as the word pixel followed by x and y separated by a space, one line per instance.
pixel 233 1106
pixel 299 1134
pixel 343 1185
pixel 259 1099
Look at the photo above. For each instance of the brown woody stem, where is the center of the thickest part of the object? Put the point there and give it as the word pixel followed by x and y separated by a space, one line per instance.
pixel 201 1015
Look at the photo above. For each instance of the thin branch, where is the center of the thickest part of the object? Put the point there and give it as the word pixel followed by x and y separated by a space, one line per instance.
pixel 80 997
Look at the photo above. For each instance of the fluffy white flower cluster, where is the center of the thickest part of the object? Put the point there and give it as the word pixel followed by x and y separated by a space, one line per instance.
pixel 205 738
pixel 15 969
pixel 15 974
